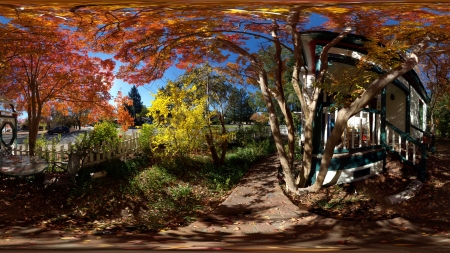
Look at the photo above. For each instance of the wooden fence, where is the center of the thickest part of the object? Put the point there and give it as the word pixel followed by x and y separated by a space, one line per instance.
pixel 96 155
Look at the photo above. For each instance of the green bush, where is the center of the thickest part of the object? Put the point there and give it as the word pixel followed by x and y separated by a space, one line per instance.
pixel 42 145
pixel 248 135
pixel 146 136
pixel 105 132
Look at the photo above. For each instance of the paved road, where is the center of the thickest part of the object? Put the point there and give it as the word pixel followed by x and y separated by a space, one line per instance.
pixel 22 136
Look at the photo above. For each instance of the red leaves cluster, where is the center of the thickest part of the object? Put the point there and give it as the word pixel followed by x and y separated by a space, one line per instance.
pixel 123 117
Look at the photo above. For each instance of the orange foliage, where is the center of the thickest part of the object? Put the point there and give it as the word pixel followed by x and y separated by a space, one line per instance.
pixel 123 117
pixel 50 68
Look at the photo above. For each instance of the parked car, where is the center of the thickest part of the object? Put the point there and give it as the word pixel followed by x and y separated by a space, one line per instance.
pixel 59 130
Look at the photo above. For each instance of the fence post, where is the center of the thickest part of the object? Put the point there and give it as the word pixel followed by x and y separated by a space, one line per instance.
pixel 61 153
pixel 91 156
pixel 97 158
pixel 69 147
pixel 110 150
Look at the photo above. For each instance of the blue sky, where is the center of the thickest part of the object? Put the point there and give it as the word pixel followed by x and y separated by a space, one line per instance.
pixel 147 90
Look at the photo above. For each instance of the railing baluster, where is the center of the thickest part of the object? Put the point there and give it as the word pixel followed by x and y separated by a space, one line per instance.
pixel 387 136
pixel 345 138
pixel 372 129
pixel 392 145
pixel 353 137
pixel 325 134
pixel 369 130
pixel 394 138
pixel 407 150
pixel 360 128
pixel 378 129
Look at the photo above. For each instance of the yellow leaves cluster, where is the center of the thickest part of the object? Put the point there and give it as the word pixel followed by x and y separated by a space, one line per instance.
pixel 180 117
pixel 337 10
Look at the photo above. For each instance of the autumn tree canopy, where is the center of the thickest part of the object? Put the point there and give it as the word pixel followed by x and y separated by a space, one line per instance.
pixel 48 68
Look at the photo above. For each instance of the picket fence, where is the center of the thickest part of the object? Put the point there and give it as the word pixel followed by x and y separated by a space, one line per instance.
pixel 60 153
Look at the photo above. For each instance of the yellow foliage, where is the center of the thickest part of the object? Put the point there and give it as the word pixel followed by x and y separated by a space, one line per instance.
pixel 180 118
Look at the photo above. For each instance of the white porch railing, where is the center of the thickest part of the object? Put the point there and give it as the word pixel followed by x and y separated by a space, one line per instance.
pixel 363 129
pixel 409 148
pixel 100 154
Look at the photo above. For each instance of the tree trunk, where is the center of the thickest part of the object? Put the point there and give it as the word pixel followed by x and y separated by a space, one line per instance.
pixel 307 151
pixel 275 127
pixel 33 134
pixel 333 140
pixel 224 144
pixel 212 148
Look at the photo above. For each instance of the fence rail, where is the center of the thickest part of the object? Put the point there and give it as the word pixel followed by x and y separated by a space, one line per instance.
pixel 59 153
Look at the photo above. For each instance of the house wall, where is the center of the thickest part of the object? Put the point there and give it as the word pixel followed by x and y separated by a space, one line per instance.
pixel 416 103
pixel 396 109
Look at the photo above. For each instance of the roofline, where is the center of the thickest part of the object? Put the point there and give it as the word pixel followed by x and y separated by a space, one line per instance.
pixel 358 42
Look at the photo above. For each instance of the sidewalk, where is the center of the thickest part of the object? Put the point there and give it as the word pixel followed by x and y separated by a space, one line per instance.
pixel 256 216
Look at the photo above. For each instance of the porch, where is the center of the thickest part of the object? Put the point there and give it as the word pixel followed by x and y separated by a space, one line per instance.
pixel 364 145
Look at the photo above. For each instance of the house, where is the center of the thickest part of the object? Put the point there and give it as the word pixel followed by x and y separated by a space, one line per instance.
pixel 394 122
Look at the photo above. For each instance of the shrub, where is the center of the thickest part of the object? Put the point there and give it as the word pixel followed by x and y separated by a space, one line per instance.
pixel 147 134
pixel 42 145
pixel 246 136
pixel 105 132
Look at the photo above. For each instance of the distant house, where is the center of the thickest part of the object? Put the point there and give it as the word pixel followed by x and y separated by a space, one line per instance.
pixel 394 122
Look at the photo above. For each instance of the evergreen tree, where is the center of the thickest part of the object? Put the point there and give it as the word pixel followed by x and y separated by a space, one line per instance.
pixel 239 107
pixel 136 108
